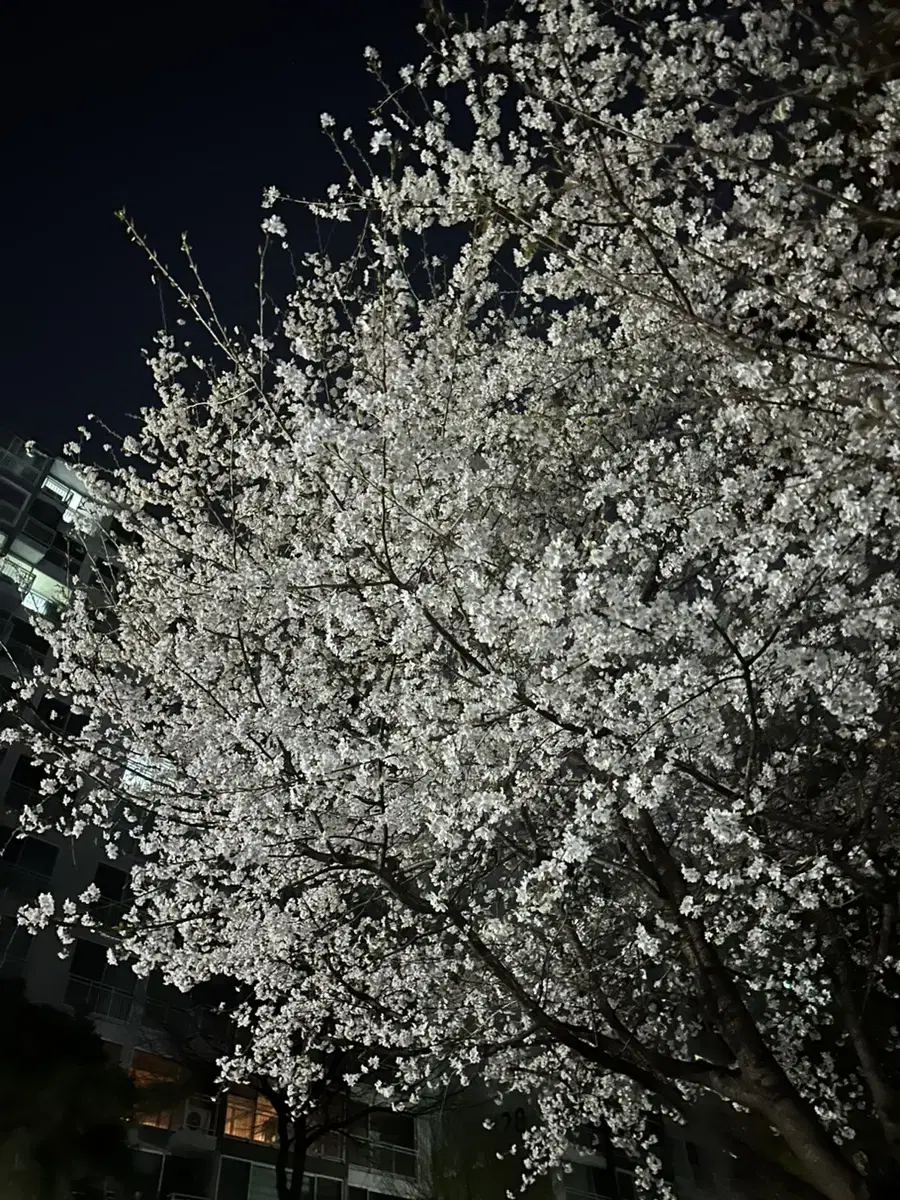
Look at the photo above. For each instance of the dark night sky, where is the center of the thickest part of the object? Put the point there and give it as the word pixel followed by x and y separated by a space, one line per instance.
pixel 182 117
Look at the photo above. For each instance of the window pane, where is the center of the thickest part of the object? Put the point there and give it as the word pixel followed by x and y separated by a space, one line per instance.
pixel 396 1129
pixel 262 1184
pixel 89 960
pixel 329 1145
pixel 15 942
pixel 35 855
pixel 239 1114
pixel 625 1181
pixel 265 1127
pixel 234 1177
pixel 327 1189
pixel 153 1071
pixel 589 1183
pixel 110 881
pixel 149 1167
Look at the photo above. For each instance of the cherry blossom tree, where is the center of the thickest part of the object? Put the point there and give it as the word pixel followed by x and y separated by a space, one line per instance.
pixel 501 663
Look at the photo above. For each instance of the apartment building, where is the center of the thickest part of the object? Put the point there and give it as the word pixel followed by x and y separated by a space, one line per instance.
pixel 207 1145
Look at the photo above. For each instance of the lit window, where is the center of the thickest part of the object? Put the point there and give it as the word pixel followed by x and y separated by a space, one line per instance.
pixel 158 1078
pixel 251 1117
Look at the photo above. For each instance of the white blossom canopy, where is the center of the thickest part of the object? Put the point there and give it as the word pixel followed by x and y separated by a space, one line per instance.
pixel 506 653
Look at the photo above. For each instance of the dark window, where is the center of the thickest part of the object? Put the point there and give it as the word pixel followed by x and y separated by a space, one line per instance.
pixel 7 719
pixel 48 511
pixel 111 882
pixel 23 784
pixel 331 1189
pixel 89 960
pixel 585 1181
pixel 58 715
pixel 27 772
pixel 24 645
pixel 625 1185
pixel 148 1168
pixel 234 1179
pixel 12 499
pixel 97 987
pixel 395 1129
pixel 29 853
pixel 15 942
pixel 185 1176
pixel 384 1141
pixel 65 553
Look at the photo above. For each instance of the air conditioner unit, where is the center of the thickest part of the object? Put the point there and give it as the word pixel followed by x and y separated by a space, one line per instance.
pixel 197 1118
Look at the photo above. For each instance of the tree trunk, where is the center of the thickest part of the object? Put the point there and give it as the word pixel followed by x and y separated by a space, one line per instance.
pixel 761 1082
pixel 291 1153
pixel 823 1162
pixel 299 1158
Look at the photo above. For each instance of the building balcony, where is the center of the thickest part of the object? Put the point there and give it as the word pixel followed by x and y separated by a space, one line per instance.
pixel 107 913
pixel 16 463
pixel 383 1157
pixel 93 999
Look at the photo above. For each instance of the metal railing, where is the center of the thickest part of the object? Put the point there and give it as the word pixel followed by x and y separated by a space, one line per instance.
pixel 14 461
pixel 381 1156
pixel 99 999
pixel 108 913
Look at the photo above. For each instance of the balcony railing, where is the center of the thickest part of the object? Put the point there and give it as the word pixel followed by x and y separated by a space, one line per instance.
pixel 15 462
pixel 23 576
pixel 380 1156
pixel 99 1000
pixel 108 913
pixel 182 1018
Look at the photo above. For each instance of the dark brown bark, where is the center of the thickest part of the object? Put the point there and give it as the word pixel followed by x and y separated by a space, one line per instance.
pixel 760 1084
pixel 291 1152
pixel 885 1099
